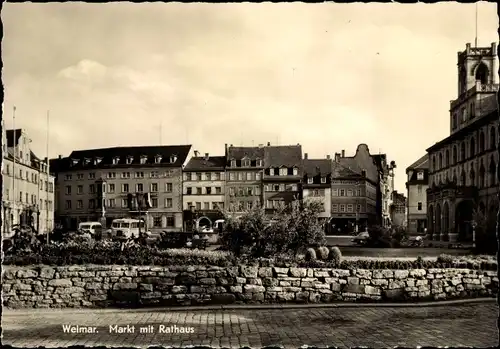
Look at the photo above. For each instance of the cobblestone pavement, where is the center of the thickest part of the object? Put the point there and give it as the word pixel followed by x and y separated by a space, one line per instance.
pixel 464 325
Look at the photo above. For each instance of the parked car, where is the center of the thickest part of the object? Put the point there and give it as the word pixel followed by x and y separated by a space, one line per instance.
pixel 361 238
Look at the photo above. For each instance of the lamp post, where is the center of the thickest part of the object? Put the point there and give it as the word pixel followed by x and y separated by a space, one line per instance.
pixel 474 225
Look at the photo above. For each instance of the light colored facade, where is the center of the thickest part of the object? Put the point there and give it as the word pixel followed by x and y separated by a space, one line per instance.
pixel 416 186
pixel 28 191
pixel 98 185
pixel 398 210
pixel 463 166
pixel 316 184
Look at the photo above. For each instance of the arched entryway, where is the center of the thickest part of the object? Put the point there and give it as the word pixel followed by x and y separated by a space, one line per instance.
pixel 437 225
pixel 463 218
pixel 203 222
pixel 430 222
pixel 446 219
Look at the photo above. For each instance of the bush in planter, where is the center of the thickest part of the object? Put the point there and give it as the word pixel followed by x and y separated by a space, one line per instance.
pixel 335 255
pixel 323 252
pixel 311 254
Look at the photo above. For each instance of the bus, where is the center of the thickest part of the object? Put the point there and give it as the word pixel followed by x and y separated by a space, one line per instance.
pixel 125 228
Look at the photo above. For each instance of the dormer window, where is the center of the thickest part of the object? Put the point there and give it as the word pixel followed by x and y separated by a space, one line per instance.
pixel 97 161
pixel 259 163
pixel 144 159
pixel 116 160
pixel 74 162
pixel 158 159
pixel 233 163
pixel 323 180
pixel 420 176
pixel 295 171
pixel 310 180
pixel 246 162
pixel 129 160
pixel 283 171
pixel 173 158
pixel 86 161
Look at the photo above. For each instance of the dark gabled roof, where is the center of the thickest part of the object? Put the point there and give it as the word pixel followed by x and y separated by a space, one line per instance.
pixel 11 142
pixel 206 164
pixel 284 155
pixel 361 161
pixel 238 153
pixel 314 167
pixel 422 163
pixel 123 153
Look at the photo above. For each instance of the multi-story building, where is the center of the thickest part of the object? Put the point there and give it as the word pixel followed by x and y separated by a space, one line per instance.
pixel 416 186
pixel 28 189
pixel 244 170
pixel 398 209
pixel 102 184
pixel 282 176
pixel 354 192
pixel 463 166
pixel 317 182
pixel 204 189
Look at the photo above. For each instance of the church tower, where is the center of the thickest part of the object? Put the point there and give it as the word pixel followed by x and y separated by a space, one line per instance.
pixel 477 85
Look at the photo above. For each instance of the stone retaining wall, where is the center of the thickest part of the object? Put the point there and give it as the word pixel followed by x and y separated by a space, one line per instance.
pixel 99 286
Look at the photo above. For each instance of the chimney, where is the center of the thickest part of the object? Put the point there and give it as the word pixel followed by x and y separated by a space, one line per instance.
pixel 196 153
pixel 261 145
pixel 206 157
pixel 268 144
pixel 60 157
pixel 45 159
pixel 343 153
pixel 305 156
pixel 337 157
pixel 328 157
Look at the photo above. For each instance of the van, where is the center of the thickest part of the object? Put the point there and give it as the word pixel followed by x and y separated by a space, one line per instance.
pixel 93 228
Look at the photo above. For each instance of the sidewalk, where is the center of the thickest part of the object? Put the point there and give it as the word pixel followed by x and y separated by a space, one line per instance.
pixel 469 324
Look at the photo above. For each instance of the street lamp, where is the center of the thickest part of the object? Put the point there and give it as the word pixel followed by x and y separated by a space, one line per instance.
pixel 474 225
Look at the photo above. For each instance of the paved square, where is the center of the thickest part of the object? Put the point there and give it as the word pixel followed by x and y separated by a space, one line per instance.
pixel 464 325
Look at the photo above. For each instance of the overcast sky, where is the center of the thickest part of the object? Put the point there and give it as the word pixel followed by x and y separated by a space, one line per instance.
pixel 327 76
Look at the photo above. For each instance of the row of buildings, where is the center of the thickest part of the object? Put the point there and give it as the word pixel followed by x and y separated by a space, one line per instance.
pixel 454 185
pixel 103 184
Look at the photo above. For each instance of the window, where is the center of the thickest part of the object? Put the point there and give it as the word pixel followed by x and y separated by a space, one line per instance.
pixel 323 180
pixel 168 187
pixel 420 175
pixel 124 203
pixel 173 158
pixel 139 175
pixel 154 174
pixel 419 206
pixel 91 203
pixel 68 190
pixel 68 204
pixel 294 187
pixel 92 175
pixel 125 188
pixel 246 163
pixel 79 189
pixel 208 190
pixel 139 187
pixel 349 192
pixel 27 197
pixel 189 190
pixel 258 176
pixel 129 160
pixel 350 208
pixel 206 205
pixel 189 205
pixel 271 171
pixel 157 221
pixel 68 177
pixel 198 190
pixel 215 205
pixel 168 202
pixel 198 205
pixel 419 189
pixel 342 192
pixel 111 188
pixel 91 189
pixel 249 176
pixel 79 204
pixel 240 176
pixel 125 174
pixel 116 160
pixel 232 176
pixel 111 174
pixel 154 202
pixel 111 203
pixel 259 163
pixel 218 190
pixel 250 191
pixel 21 174
pixel 158 159
pixel 143 160
pixel 231 191
pixel 358 208
pixel 154 187
pixel 335 208
pixel 342 208
pixel 198 176
pixel 283 171
pixel 187 176
pixel 170 221
pixel 8 169
pixel 310 180
pixel 233 163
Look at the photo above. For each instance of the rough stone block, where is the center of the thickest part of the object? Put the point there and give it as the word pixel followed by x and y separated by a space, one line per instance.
pixel 354 288
pixel 281 271
pixel 236 289
pixel 265 272
pixel 321 273
pixel 47 273
pixel 254 289
pixel 249 272
pixel 285 296
pixel 124 286
pixel 363 274
pixel 314 297
pixel 60 282
pixel 298 272
pixel 372 290
pixel 302 296
pixel 208 281
pixel 146 287
pixel 401 274
pixel 253 281
pixel 352 280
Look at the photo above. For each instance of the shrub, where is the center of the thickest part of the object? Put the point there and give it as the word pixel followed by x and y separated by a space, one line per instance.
pixel 445 259
pixel 335 255
pixel 323 252
pixel 310 254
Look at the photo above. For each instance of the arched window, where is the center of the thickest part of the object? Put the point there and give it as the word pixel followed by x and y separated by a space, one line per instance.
pixel 462 76
pixel 462 178
pixel 462 151
pixel 481 176
pixel 472 110
pixel 493 138
pixel 434 163
pixel 447 158
pixel 440 162
pixel 492 172
pixel 472 147
pixel 481 141
pixel 482 73
pixel 454 154
pixel 472 176
pixel 454 180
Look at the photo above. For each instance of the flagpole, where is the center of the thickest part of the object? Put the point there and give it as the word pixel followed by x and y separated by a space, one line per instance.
pixel 48 182
pixel 14 165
